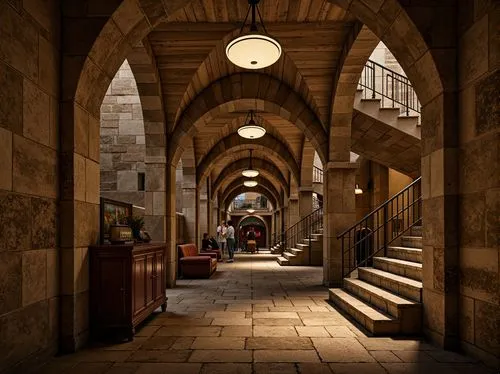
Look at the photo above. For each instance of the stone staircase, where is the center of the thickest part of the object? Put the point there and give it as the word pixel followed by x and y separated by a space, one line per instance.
pixel 299 254
pixel 386 299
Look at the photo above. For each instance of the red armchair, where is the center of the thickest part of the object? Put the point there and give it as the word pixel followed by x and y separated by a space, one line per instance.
pixel 194 264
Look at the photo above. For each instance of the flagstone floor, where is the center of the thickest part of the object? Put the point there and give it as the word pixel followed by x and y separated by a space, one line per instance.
pixel 254 317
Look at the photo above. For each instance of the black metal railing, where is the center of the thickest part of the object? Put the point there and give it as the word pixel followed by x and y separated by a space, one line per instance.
pixel 391 87
pixel 317 174
pixel 303 230
pixel 371 236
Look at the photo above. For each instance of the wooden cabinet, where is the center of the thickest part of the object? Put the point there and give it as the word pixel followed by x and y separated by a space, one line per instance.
pixel 127 283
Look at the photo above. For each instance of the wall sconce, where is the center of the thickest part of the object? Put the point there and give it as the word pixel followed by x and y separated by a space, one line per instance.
pixel 357 190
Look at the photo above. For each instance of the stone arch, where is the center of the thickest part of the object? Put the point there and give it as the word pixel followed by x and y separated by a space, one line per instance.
pixel 264 92
pixel 268 142
pixel 242 189
pixel 264 223
pixel 242 164
pixel 264 182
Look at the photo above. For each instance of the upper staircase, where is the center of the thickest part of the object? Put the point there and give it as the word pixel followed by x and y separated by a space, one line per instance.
pixel 382 267
pixel 302 243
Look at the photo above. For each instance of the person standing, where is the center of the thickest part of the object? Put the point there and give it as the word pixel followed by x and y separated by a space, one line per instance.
pixel 221 236
pixel 230 240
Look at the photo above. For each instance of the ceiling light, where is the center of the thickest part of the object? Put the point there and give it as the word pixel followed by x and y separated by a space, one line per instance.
pixel 250 172
pixel 251 211
pixel 251 130
pixel 253 50
pixel 250 183
pixel 357 190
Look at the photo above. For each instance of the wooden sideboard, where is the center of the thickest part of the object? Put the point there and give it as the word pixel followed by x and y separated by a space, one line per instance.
pixel 127 283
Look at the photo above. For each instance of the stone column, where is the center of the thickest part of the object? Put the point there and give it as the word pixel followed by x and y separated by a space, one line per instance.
pixel 339 214
pixel 171 226
pixel 293 211
pixel 154 217
pixel 190 204
pixel 305 201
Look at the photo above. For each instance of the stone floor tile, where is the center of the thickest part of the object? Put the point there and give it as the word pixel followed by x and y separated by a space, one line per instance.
pixel 243 331
pixel 277 321
pixel 287 315
pixel 123 368
pixel 276 331
pixel 232 322
pixel 385 356
pixel 224 314
pixel 207 355
pixel 358 368
pixel 226 368
pixel 187 321
pixel 414 356
pixel 218 343
pixel 341 350
pixel 281 302
pixel 420 368
pixel 380 344
pixel 184 342
pixel 314 368
pixel 289 309
pixel 447 356
pixel 97 355
pixel 91 367
pixel 158 342
pixel 54 367
pixel 157 355
pixel 147 330
pixel 274 368
pixel 278 343
pixel 257 308
pixel 189 331
pixel 286 355
pixel 239 307
pixel 312 331
pixel 317 308
pixel 339 331
pixel 162 368
pixel 123 346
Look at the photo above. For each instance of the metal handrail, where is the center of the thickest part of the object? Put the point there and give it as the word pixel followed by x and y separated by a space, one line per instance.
pixel 378 229
pixel 389 84
pixel 317 174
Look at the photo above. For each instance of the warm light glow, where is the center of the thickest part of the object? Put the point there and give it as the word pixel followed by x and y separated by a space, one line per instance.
pixel 250 183
pixel 251 211
pixel 250 173
pixel 251 131
pixel 357 190
pixel 253 51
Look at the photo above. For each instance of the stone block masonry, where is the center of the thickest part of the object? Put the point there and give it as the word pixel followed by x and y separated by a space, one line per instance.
pixel 122 139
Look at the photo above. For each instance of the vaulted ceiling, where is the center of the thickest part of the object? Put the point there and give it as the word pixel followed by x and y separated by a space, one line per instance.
pixel 189 52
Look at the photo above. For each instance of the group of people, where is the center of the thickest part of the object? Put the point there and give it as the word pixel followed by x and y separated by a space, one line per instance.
pixel 226 240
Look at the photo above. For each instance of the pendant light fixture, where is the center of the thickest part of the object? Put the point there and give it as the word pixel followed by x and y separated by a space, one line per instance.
pixel 253 50
pixel 251 211
pixel 250 172
pixel 357 190
pixel 250 183
pixel 251 129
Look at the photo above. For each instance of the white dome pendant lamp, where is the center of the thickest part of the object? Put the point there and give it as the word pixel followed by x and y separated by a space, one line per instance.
pixel 251 129
pixel 250 172
pixel 253 50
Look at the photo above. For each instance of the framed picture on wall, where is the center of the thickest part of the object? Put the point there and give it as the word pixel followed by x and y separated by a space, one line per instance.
pixel 113 212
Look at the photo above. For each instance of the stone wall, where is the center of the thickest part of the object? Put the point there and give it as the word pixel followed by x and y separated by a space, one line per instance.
pixel 29 254
pixel 123 146
pixel 479 179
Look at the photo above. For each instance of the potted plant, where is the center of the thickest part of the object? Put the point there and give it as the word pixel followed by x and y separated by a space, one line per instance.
pixel 136 223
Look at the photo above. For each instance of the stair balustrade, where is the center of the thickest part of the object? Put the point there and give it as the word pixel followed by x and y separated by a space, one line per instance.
pixel 383 83
pixel 303 229
pixel 373 234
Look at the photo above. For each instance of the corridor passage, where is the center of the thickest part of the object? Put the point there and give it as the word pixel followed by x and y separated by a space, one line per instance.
pixel 254 316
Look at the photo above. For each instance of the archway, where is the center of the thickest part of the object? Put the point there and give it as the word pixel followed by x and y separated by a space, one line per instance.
pixel 259 225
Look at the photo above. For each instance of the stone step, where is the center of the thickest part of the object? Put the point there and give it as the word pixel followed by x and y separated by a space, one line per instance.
pixel 318 236
pixel 302 246
pixel 296 251
pixel 289 255
pixel 376 322
pixel 416 231
pixel 283 261
pixel 407 312
pixel 397 284
pixel 411 241
pixel 404 268
pixel 405 253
